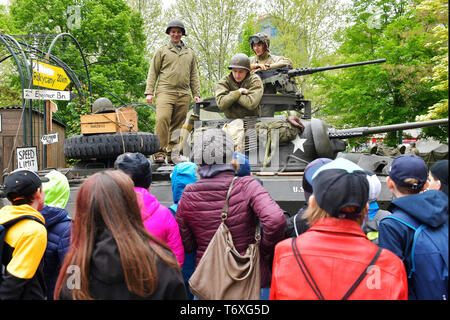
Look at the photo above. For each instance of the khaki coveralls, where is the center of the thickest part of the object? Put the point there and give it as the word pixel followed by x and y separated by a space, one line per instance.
pixel 173 73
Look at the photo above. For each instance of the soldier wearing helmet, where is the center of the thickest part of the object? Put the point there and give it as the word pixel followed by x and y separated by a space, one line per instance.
pixel 263 60
pixel 172 78
pixel 238 94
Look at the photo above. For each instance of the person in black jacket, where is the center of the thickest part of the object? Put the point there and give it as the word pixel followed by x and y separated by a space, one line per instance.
pixel 112 255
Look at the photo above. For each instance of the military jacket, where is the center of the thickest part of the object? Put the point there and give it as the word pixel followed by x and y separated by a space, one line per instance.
pixel 274 62
pixel 173 71
pixel 234 104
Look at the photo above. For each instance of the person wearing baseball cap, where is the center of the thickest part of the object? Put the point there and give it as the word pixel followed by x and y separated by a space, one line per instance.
pixel 331 260
pixel 415 208
pixel 297 224
pixel 25 237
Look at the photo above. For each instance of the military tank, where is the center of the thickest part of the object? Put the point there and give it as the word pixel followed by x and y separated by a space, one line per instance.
pixel 281 171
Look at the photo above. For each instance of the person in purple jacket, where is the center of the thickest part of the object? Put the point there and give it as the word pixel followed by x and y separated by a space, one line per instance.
pixel 200 206
pixel 158 220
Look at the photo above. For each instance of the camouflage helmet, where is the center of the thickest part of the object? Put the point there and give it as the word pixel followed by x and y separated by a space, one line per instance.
pixel 260 37
pixel 102 105
pixel 240 60
pixel 176 23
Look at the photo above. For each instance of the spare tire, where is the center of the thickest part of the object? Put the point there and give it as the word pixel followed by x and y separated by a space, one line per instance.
pixel 110 145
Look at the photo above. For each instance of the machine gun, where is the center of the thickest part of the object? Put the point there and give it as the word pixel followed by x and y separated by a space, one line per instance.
pixel 282 78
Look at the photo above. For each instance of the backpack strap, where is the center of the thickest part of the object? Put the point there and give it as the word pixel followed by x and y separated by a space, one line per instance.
pixel 12 222
pixel 411 223
pixel 5 226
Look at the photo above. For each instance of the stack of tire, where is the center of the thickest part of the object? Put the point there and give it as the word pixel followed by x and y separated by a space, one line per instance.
pixel 109 145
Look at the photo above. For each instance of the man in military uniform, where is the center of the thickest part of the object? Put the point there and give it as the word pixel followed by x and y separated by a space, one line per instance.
pixel 263 60
pixel 238 94
pixel 174 68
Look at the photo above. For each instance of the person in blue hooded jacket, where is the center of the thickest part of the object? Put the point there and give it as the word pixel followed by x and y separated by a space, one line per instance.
pixel 415 209
pixel 57 223
pixel 183 174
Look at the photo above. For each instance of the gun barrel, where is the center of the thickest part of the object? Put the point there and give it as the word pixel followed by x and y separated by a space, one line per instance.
pixel 365 131
pixel 305 71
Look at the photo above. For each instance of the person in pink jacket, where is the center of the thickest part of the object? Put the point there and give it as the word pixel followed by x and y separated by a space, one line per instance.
pixel 157 219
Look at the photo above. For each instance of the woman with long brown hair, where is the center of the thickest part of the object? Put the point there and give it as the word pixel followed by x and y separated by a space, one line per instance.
pixel 112 256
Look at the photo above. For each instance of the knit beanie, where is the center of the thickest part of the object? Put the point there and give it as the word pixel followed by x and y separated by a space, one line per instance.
pixel 137 166
pixel 212 146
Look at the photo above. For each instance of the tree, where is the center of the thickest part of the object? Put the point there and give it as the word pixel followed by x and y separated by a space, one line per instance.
pixel 154 23
pixel 437 11
pixel 304 33
pixel 248 29
pixel 213 28
pixel 381 94
pixel 110 34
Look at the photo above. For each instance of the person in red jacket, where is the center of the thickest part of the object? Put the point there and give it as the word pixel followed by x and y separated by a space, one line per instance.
pixel 200 206
pixel 334 259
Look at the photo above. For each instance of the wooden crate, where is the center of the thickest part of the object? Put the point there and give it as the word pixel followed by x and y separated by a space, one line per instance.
pixel 123 120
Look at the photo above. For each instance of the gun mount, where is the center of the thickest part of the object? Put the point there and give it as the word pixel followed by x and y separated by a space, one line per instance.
pixel 282 78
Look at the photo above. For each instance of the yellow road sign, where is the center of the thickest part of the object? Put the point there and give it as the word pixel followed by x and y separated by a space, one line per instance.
pixel 48 76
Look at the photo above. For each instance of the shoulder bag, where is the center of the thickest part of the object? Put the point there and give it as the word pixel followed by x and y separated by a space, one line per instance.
pixel 224 274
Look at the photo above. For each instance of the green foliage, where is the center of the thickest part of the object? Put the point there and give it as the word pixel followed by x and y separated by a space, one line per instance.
pixel 248 29
pixel 381 94
pixel 437 12
pixel 111 36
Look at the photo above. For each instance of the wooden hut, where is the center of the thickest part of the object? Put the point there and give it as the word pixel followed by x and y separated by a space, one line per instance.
pixel 12 137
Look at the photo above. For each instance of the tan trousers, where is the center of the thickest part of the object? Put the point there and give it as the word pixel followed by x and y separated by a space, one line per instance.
pixel 171 111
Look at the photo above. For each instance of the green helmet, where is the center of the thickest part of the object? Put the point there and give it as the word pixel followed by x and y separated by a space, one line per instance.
pixel 240 60
pixel 258 38
pixel 176 24
pixel 102 105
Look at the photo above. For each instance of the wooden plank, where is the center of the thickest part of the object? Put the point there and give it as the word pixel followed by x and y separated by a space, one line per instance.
pixel 290 173
pixel 2 156
pixel 265 173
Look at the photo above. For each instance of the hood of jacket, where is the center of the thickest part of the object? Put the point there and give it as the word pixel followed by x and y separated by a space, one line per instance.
pixel 8 213
pixel 147 201
pixel 429 207
pixel 57 189
pixel 182 174
pixel 105 256
pixel 209 171
pixel 53 215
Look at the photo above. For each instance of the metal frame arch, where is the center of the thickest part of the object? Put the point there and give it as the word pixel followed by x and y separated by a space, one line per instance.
pixel 21 73
pixel 50 48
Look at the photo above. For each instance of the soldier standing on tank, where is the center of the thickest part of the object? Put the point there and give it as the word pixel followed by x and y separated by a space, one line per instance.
pixel 174 69
pixel 238 94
